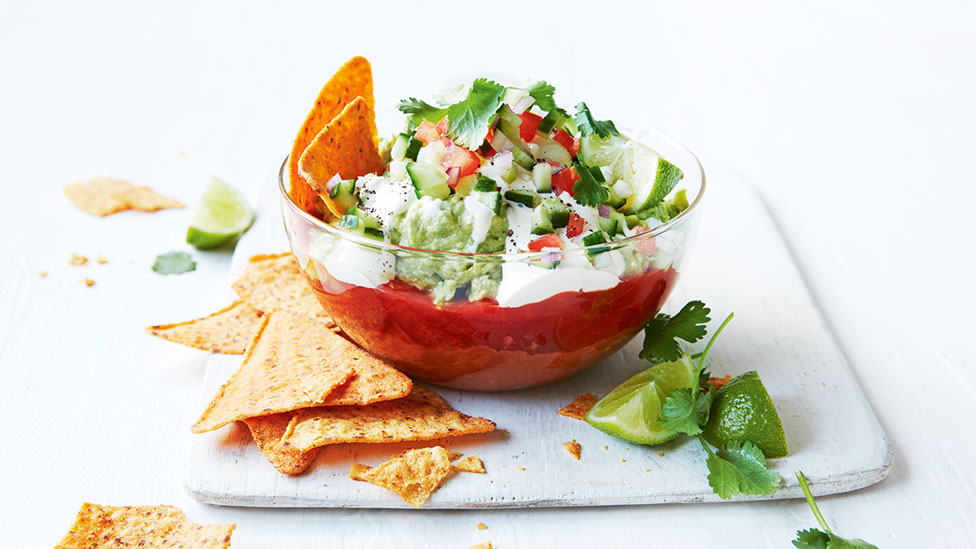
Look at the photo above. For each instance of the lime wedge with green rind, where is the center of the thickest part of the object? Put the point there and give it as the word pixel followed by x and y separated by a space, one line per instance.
pixel 743 411
pixel 222 217
pixel 632 410
pixel 651 178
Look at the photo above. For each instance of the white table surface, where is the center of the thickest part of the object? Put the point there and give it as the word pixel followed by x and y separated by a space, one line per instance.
pixel 854 121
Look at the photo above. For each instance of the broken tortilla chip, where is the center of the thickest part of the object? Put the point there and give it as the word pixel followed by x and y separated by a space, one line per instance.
pixel 470 464
pixel 573 448
pixel 345 147
pixel 352 80
pixel 421 415
pixel 374 381
pixel 103 196
pixel 227 331
pixel 267 432
pixel 274 282
pixel 413 475
pixel 294 362
pixel 578 407
pixel 99 526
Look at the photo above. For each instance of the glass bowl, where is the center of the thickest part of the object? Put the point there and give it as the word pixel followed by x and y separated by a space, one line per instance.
pixel 541 329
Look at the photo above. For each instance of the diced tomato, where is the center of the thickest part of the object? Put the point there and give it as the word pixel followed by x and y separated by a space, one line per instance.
pixel 567 141
pixel 458 157
pixel 530 124
pixel 446 142
pixel 575 226
pixel 564 181
pixel 427 132
pixel 645 245
pixel 548 241
pixel 442 126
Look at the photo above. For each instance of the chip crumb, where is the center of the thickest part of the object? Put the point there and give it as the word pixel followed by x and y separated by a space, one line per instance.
pixel 606 447
pixel 470 464
pixel 42 274
pixel 100 259
pixel 482 526
pixel 626 449
pixel 647 470
pixel 660 454
pixel 88 282
pixel 413 475
pixel 573 448
pixel 520 468
pixel 622 460
pixel 719 382
pixel 78 260
pixel 578 407
pixel 484 545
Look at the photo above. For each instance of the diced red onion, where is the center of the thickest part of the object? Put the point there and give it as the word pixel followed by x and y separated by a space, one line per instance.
pixel 554 256
pixel 452 176
pixel 604 210
pixel 332 183
pixel 503 159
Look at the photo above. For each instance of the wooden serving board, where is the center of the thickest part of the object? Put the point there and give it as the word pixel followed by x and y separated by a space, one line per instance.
pixel 740 263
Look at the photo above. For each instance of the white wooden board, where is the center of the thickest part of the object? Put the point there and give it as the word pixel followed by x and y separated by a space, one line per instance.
pixel 740 263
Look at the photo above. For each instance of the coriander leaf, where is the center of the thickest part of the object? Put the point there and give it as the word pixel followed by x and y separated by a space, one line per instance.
pixel 588 191
pixel 660 333
pixel 174 263
pixel 542 92
pixel 588 125
pixel 685 411
pixel 811 539
pixel 826 539
pixel 468 120
pixel 739 468
pixel 419 111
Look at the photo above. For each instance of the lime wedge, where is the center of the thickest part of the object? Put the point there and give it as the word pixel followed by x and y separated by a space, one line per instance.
pixel 222 217
pixel 743 411
pixel 651 178
pixel 631 410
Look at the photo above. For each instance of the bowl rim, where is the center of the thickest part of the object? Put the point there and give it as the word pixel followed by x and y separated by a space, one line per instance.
pixel 337 232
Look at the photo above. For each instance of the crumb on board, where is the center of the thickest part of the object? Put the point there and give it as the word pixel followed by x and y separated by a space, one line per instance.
pixel 77 260
pixel 88 282
pixel 647 470
pixel 578 407
pixel 520 468
pixel 660 454
pixel 573 448
pixel 483 545
pixel 606 447
pixel 622 460
pixel 481 526
pixel 100 259
pixel 42 274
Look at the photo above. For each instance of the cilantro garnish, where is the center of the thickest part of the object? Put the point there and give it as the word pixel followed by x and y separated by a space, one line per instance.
pixel 739 468
pixel 468 120
pixel 660 333
pixel 588 125
pixel 419 111
pixel 686 410
pixel 826 539
pixel 174 263
pixel 587 190
pixel 543 92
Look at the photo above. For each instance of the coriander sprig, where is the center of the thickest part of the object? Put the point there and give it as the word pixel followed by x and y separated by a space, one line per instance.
pixel 812 538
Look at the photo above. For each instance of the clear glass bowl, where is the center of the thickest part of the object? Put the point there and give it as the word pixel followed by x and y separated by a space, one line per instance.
pixel 547 329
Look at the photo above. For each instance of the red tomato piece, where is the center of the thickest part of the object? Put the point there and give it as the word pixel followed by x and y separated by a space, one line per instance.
pixel 645 245
pixel 575 226
pixel 427 132
pixel 564 181
pixel 458 157
pixel 530 124
pixel 548 241
pixel 567 141
pixel 442 126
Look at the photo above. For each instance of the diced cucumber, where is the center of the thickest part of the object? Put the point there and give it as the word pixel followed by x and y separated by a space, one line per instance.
pixel 492 199
pixel 552 151
pixel 485 184
pixel 615 200
pixel 510 174
pixel 523 158
pixel 633 221
pixel 343 194
pixel 508 123
pixel 608 225
pixel 413 148
pixel 558 212
pixel 570 126
pixel 550 121
pixel 374 233
pixel 350 222
pixel 620 219
pixel 525 198
pixel 428 180
pixel 399 148
pixel 541 224
pixel 542 177
pixel 596 237
pixel 465 185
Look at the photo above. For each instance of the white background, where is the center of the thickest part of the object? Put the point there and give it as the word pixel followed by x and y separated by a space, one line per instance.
pixel 855 122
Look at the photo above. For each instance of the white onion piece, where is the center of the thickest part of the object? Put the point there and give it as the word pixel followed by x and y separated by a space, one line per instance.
pixel 332 183
pixel 523 104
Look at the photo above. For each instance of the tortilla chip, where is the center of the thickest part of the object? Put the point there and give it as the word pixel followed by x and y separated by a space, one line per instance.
pixel 470 464
pixel 345 147
pixel 274 282
pixel 577 408
pixel 147 526
pixel 267 432
pixel 227 331
pixel 422 415
pixel 573 448
pixel 103 196
pixel 294 362
pixel 374 381
pixel 413 475
pixel 482 545
pixel 352 80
